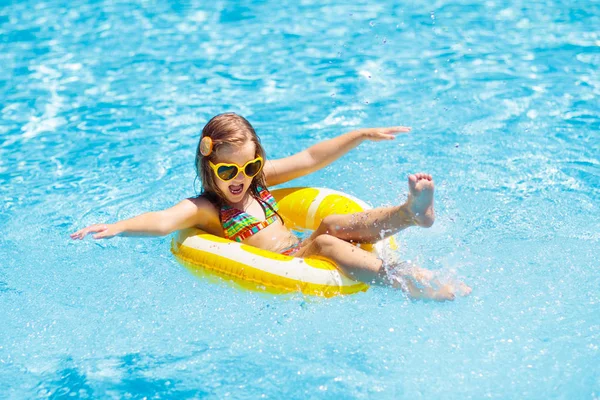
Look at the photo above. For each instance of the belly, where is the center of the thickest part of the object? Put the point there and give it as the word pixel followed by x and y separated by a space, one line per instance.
pixel 274 237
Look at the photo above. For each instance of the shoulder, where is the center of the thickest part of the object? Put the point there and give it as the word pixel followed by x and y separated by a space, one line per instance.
pixel 194 208
pixel 204 205
pixel 206 214
pixel 203 201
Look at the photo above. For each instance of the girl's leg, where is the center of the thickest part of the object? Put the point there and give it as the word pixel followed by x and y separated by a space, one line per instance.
pixel 427 292
pixel 373 225
pixel 330 240
pixel 354 262
pixel 366 267
pixel 427 280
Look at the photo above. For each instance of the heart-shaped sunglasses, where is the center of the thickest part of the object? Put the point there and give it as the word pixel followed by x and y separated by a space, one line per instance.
pixel 227 172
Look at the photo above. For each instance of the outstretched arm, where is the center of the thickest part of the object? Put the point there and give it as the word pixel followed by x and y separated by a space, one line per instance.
pixel 324 153
pixel 186 214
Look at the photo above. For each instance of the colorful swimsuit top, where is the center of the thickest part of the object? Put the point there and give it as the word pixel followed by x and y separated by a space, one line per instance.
pixel 239 225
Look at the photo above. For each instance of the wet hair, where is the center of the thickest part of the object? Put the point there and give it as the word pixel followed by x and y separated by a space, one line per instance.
pixel 227 129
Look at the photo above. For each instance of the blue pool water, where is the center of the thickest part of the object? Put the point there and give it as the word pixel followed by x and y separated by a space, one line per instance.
pixel 101 106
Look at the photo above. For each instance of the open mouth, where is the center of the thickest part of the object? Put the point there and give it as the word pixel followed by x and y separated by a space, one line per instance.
pixel 236 189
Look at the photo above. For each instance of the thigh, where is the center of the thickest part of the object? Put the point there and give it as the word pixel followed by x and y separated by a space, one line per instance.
pixel 350 259
pixel 322 244
pixel 335 249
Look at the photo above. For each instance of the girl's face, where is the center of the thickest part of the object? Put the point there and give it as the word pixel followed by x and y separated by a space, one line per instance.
pixel 235 190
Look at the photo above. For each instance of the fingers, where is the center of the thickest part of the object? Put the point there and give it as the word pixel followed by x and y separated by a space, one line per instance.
pixel 386 133
pixel 102 235
pixel 376 136
pixel 400 129
pixel 394 129
pixel 80 234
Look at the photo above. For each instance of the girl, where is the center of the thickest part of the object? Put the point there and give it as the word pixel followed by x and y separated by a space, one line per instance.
pixel 236 204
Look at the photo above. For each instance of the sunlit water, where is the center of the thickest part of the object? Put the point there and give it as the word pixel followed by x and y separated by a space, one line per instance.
pixel 101 106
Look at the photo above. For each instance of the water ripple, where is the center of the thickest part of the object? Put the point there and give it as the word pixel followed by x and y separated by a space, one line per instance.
pixel 102 104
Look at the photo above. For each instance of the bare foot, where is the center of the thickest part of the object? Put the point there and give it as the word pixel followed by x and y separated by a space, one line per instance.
pixel 402 274
pixel 420 199
pixel 405 283
pixel 462 289
pixel 445 293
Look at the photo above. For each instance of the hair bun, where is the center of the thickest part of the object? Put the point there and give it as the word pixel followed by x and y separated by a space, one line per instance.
pixel 206 146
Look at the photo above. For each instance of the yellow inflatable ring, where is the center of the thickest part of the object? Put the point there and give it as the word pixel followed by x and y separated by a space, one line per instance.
pixel 261 270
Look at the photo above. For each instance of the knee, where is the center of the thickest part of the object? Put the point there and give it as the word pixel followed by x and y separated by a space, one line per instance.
pixel 329 225
pixel 325 242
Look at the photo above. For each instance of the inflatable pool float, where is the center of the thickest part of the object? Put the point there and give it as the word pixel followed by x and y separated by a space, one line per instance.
pixel 255 269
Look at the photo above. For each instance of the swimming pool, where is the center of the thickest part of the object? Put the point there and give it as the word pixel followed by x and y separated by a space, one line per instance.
pixel 102 103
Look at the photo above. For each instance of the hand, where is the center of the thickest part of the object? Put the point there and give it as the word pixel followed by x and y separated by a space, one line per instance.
pixel 378 134
pixel 105 231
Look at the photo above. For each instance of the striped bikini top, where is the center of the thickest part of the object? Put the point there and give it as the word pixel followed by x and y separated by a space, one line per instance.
pixel 239 225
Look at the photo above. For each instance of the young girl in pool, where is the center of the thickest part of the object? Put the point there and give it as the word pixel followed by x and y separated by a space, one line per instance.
pixel 235 203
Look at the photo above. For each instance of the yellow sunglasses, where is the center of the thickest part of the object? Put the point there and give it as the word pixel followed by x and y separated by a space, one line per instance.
pixel 227 172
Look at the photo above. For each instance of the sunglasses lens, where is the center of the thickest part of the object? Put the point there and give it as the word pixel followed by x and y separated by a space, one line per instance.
pixel 254 168
pixel 227 172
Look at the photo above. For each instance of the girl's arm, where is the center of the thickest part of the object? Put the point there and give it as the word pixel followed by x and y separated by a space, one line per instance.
pixel 188 213
pixel 324 153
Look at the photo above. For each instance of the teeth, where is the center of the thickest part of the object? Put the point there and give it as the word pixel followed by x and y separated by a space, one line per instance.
pixel 236 189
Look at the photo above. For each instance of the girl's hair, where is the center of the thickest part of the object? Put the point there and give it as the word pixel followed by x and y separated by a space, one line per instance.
pixel 227 129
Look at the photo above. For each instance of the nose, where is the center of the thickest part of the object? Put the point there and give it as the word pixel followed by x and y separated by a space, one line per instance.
pixel 239 177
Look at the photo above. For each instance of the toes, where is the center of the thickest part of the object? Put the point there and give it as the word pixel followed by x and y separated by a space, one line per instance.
pixel 420 176
pixel 412 181
pixel 464 290
pixel 415 179
pixel 447 293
